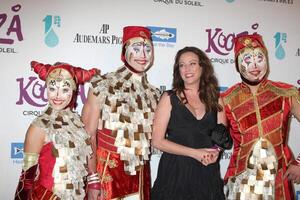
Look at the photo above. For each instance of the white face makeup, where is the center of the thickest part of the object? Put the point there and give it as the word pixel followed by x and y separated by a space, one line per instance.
pixel 59 93
pixel 139 55
pixel 253 64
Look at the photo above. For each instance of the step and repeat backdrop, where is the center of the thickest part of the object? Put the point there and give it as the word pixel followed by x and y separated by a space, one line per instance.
pixel 89 34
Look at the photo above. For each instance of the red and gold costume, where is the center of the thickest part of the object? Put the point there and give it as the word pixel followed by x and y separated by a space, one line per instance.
pixel 259 123
pixel 261 117
pixel 59 169
pixel 127 101
pixel 62 160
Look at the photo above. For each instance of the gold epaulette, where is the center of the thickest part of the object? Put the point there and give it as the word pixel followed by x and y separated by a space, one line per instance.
pixel 286 92
pixel 230 93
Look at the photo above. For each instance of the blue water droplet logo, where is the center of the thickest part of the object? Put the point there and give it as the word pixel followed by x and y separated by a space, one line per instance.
pixel 230 1
pixel 280 53
pixel 51 39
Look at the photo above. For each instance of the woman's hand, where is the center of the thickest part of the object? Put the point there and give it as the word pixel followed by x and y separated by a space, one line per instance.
pixel 206 155
pixel 293 173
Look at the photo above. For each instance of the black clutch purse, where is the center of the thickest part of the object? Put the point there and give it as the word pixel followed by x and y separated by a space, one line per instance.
pixel 221 137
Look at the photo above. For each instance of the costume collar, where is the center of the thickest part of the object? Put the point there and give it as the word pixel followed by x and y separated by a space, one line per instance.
pixel 128 74
pixel 52 112
pixel 245 87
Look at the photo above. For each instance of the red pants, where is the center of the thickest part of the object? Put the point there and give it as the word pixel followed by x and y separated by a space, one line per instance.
pixel 115 183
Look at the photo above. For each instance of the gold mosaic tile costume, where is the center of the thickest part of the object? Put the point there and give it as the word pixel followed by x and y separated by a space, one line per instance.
pixel 127 103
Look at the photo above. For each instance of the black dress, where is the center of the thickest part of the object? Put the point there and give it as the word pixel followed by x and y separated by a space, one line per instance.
pixel 181 177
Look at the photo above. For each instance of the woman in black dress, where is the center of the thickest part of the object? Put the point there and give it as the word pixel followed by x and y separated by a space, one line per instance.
pixel 184 120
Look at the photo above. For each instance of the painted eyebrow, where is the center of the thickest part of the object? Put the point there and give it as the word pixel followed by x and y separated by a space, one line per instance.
pixel 52 82
pixel 66 83
pixel 246 55
pixel 137 44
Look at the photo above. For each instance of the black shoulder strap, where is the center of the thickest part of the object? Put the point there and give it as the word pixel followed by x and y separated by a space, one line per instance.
pixel 173 98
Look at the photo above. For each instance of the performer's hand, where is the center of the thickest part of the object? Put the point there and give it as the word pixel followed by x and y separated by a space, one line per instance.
pixel 293 173
pixel 93 194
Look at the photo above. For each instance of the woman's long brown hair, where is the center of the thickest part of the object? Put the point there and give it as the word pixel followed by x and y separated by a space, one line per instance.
pixel 208 87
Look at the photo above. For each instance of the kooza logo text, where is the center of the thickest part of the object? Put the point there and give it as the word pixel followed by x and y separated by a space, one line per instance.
pixel 14 26
pixel 222 43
